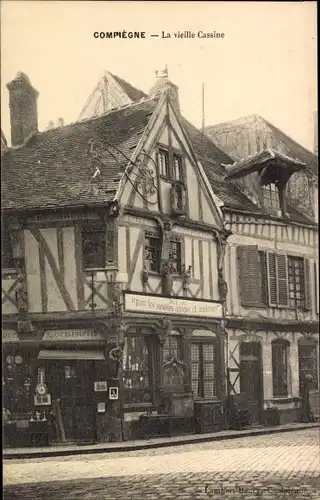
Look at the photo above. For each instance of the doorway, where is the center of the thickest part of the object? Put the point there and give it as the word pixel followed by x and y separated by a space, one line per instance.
pixel 72 381
pixel 251 377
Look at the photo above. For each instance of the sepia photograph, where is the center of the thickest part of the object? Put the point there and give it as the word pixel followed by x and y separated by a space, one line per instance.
pixel 159 237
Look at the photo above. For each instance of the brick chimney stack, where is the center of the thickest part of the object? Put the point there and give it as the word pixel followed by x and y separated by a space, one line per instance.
pixel 23 109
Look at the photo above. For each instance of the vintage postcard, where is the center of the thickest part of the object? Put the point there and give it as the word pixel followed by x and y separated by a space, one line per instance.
pixel 159 230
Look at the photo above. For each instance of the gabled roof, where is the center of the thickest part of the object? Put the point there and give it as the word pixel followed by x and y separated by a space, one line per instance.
pixel 133 93
pixel 54 169
pixel 261 134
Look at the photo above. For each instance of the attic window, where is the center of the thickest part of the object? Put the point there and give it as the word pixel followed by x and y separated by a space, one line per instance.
pixel 271 196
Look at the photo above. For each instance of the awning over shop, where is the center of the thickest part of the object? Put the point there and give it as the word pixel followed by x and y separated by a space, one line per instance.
pixel 63 354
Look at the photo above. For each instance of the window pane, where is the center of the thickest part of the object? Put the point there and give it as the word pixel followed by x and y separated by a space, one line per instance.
pixel 296 282
pixel 208 388
pixel 152 252
pixel 271 196
pixel 94 248
pixel 136 371
pixel 175 256
pixel 195 382
pixel 170 348
pixel 279 369
pixel 164 163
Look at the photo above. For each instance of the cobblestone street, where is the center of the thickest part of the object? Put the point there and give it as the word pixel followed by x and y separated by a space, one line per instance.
pixel 273 467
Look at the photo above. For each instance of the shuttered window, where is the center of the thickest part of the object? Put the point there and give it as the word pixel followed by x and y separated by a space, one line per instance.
pixel 251 265
pixel 277 279
pixel 280 368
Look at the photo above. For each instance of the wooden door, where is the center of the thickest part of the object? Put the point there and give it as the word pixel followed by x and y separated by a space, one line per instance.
pixel 251 377
pixel 72 382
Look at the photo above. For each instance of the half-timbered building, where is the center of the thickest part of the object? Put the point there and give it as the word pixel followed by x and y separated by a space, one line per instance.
pixel 112 290
pixel 269 199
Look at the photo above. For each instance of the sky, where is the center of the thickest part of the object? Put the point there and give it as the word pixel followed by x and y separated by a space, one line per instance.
pixel 266 63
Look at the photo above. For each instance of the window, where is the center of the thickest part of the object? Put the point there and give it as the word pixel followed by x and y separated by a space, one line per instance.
pixel 17 382
pixel 175 256
pixel 280 368
pixel 152 252
pixel 170 348
pixel 272 278
pixel 296 282
pixel 307 363
pixel 203 370
pixel 136 370
pixel 6 247
pixel 94 247
pixel 163 157
pixel 271 196
pixel 177 167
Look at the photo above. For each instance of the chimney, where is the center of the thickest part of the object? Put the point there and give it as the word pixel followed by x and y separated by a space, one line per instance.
pixel 60 122
pixel 23 109
pixel 162 85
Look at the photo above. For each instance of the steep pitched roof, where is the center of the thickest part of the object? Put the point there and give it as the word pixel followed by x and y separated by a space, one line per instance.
pixel 214 162
pixel 260 134
pixel 54 168
pixel 133 93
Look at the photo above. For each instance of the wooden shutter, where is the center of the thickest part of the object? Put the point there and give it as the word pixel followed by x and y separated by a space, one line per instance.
pixel 111 242
pixel 307 293
pixel 282 279
pixel 272 279
pixel 277 279
pixel 250 276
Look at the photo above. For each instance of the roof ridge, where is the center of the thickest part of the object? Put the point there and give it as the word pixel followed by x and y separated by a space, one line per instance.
pixel 94 118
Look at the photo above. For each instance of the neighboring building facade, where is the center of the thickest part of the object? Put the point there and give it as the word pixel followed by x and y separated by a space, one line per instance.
pixel 112 243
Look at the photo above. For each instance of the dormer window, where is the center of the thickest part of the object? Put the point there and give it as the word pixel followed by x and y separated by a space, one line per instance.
pixel 271 196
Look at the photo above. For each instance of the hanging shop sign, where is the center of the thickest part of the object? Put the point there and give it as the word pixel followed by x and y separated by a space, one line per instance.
pixel 166 305
pixel 71 335
pixel 113 393
pixel 100 386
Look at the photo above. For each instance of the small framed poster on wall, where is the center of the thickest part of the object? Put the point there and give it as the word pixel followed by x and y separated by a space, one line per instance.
pixel 101 407
pixel 42 399
pixel 113 393
pixel 100 386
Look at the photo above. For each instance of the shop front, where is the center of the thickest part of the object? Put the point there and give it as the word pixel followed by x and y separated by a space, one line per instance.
pixel 173 379
pixel 57 390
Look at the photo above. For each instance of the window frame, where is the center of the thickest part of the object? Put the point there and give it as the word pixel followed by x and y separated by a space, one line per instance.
pixel 178 156
pixel 94 229
pixel 267 188
pixel 291 260
pixel 277 390
pixel 306 343
pixel 6 244
pixel 200 344
pixel 156 236
pixel 163 150
pixel 151 370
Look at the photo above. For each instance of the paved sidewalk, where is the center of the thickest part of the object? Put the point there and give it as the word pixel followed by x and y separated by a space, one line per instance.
pixel 144 444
